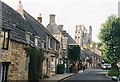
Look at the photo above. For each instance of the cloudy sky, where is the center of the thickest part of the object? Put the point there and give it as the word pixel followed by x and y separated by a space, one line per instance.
pixel 71 12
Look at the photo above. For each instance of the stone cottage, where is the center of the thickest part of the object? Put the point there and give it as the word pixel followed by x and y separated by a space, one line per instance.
pixel 20 29
pixel 56 31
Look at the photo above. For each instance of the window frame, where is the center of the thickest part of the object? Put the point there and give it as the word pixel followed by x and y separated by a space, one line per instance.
pixel 28 37
pixel 50 42
pixel 56 46
pixel 37 41
pixel 3 39
pixel 43 45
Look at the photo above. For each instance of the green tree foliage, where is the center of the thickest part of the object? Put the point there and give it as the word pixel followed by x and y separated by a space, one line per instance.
pixel 74 52
pixel 109 35
pixel 35 64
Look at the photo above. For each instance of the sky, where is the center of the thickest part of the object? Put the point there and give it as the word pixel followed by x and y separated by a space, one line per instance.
pixel 71 12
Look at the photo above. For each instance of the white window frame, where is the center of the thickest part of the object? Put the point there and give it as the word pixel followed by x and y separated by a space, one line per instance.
pixel 49 42
pixel 28 37
pixel 56 47
pixel 36 40
pixel 43 44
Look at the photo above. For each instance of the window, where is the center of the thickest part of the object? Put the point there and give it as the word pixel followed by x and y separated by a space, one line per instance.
pixel 50 43
pixel 36 41
pixel 5 39
pixel 43 45
pixel 56 46
pixel 28 35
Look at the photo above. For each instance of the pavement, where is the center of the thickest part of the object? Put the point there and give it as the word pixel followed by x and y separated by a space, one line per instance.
pixel 60 77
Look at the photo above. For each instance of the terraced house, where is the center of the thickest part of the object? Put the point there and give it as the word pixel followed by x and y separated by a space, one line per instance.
pixel 57 32
pixel 20 29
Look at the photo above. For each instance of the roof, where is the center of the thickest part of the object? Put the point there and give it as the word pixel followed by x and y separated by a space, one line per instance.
pixel 19 26
pixel 71 41
pixel 38 28
pixel 13 20
pixel 53 28
pixel 87 53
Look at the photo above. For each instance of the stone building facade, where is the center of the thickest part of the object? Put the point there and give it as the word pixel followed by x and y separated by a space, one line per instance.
pixel 17 56
pixel 56 31
pixel 19 29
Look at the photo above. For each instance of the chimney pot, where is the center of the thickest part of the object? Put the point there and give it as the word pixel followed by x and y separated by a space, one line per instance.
pixel 20 1
pixel 39 18
pixel 61 27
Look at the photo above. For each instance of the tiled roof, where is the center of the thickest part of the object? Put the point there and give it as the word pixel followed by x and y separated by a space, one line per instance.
pixel 71 41
pixel 11 19
pixel 53 28
pixel 38 28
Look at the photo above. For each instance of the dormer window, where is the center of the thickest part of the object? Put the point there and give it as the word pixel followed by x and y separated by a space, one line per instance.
pixel 50 43
pixel 28 35
pixel 56 46
pixel 5 39
pixel 37 39
pixel 43 45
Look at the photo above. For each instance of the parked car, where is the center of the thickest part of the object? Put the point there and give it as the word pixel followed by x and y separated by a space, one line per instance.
pixel 106 66
pixel 115 78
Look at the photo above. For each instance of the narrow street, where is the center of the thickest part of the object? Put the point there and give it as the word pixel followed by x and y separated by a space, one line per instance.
pixel 90 75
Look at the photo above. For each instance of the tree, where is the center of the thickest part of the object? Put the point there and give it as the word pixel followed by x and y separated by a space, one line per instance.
pixel 109 35
pixel 74 52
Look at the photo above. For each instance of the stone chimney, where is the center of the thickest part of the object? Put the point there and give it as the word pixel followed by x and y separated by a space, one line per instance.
pixel 20 9
pixel 39 18
pixel 60 27
pixel 52 18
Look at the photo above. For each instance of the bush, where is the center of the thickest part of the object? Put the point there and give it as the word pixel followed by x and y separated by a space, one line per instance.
pixel 60 68
pixel 35 65
pixel 113 72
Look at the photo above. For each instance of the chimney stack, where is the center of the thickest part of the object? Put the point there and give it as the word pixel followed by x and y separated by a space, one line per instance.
pixel 52 18
pixel 20 9
pixel 61 27
pixel 39 18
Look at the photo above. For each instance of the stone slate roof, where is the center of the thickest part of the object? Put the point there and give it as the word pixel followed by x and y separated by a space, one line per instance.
pixel 13 20
pixel 38 28
pixel 19 26
pixel 87 53
pixel 71 41
pixel 53 28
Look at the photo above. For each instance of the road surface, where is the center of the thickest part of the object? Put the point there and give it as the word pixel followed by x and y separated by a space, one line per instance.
pixel 91 75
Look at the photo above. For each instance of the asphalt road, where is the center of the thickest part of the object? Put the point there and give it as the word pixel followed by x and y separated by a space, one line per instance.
pixel 96 75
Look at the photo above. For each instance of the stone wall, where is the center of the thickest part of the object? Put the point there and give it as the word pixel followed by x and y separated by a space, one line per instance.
pixel 17 56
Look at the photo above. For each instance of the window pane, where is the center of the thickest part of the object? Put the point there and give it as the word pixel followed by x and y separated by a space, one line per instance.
pixel 36 41
pixel 2 39
pixel 50 43
pixel 6 40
